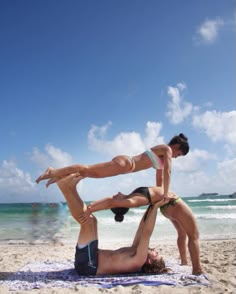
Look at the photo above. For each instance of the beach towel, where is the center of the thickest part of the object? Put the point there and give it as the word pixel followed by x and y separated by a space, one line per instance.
pixel 50 274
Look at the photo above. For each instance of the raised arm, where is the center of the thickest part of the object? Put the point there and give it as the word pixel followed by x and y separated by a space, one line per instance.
pixel 145 229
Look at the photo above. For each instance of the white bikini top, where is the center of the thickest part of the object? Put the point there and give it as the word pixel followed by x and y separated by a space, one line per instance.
pixel 156 161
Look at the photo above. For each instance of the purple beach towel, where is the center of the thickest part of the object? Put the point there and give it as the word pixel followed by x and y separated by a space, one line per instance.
pixel 49 274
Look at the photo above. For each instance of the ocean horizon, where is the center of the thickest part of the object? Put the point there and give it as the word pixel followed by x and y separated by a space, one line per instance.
pixel 23 223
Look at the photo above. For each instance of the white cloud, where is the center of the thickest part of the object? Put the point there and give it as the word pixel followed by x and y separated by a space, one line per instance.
pixel 227 173
pixel 190 184
pixel 194 161
pixel 152 134
pixel 219 126
pixel 15 185
pixel 126 142
pixel 208 31
pixel 53 156
pixel 195 183
pixel 178 108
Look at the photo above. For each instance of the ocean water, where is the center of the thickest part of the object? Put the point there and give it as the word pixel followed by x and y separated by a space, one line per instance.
pixel 44 222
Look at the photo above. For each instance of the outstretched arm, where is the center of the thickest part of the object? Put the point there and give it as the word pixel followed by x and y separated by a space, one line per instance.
pixel 118 200
pixel 146 226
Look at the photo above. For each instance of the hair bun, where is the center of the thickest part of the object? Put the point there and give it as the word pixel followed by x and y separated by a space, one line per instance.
pixel 119 213
pixel 182 136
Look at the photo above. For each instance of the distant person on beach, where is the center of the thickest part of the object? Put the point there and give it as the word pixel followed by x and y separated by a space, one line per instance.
pixel 89 260
pixel 159 157
pixel 175 209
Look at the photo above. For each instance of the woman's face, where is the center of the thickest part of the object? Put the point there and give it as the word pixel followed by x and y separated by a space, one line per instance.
pixel 176 152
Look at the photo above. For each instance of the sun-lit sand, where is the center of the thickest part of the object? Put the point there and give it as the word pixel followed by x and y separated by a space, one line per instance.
pixel 218 259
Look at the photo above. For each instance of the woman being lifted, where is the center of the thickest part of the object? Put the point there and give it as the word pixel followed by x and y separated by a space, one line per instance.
pixel 159 157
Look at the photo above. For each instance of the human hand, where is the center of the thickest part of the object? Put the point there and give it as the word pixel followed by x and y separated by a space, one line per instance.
pixel 170 196
pixel 161 202
pixel 83 217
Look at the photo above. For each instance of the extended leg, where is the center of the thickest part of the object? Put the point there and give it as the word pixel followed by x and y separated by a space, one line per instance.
pixel 88 230
pixel 118 165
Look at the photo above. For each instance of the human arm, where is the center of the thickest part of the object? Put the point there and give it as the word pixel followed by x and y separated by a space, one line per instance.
pixel 147 223
pixel 159 177
pixel 144 232
pixel 164 154
pixel 167 156
pixel 118 200
pixel 98 205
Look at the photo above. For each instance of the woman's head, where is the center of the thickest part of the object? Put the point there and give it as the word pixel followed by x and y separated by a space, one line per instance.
pixel 182 141
pixel 154 263
pixel 119 213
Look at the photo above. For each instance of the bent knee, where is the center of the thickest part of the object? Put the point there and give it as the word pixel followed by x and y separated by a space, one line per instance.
pixel 182 235
pixel 123 161
pixel 194 235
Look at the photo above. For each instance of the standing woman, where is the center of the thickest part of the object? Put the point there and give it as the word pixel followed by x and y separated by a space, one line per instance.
pixel 159 157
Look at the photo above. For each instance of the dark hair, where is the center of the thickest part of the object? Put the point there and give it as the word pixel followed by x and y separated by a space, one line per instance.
pixel 182 140
pixel 119 213
pixel 155 266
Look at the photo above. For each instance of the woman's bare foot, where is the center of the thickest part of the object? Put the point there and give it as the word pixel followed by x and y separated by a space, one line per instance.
pixel 69 181
pixel 184 263
pixel 54 180
pixel 45 175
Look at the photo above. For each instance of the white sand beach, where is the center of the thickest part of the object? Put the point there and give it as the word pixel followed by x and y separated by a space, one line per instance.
pixel 218 259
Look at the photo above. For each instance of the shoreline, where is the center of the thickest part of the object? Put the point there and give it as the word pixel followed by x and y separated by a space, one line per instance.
pixel 218 260
pixel 104 243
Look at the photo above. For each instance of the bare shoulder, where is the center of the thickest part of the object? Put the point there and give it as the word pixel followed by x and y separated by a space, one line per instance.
pixel 162 150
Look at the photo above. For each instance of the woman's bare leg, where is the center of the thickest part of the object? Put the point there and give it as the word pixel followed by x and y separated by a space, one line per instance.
pixel 118 165
pixel 67 185
pixel 51 173
pixel 181 242
pixel 54 180
pixel 88 230
pixel 184 216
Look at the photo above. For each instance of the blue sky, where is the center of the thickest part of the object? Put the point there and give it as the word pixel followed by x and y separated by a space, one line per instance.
pixel 83 81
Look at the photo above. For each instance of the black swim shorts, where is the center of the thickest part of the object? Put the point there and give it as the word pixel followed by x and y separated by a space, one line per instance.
pixel 86 259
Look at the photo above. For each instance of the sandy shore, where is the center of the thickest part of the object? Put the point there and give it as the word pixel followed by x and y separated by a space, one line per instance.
pixel 218 259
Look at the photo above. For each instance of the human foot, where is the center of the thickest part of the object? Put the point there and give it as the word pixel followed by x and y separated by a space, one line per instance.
pixel 54 180
pixel 197 272
pixel 45 175
pixel 69 181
